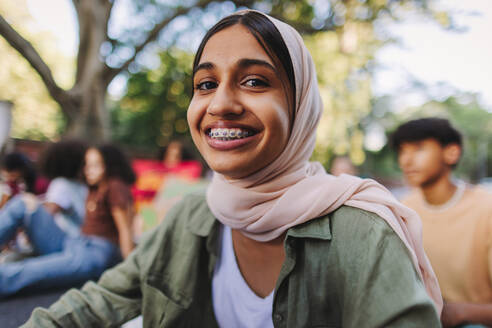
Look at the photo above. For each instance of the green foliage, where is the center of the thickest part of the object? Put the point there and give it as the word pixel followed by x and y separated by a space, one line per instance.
pixel 340 36
pixel 343 56
pixel 153 111
pixel 35 115
pixel 341 60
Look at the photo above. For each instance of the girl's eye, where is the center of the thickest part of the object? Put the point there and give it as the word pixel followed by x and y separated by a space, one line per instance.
pixel 255 83
pixel 207 85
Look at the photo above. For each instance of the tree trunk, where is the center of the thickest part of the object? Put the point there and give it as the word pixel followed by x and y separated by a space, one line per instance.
pixel 91 118
pixel 91 121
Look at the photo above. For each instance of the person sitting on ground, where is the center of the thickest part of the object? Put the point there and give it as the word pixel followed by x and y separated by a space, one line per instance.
pixel 64 200
pixel 275 240
pixel 67 260
pixel 457 219
pixel 62 164
pixel 17 174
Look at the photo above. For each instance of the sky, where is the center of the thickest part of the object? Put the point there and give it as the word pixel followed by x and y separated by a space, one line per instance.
pixel 431 54
pixel 442 59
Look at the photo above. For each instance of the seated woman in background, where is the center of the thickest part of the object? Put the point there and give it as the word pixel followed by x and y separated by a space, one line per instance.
pixel 67 259
pixel 275 241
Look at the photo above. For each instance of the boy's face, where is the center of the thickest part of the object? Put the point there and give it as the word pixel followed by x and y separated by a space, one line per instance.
pixel 425 162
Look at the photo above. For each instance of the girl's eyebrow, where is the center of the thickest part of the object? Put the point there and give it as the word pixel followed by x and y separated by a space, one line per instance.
pixel 246 62
pixel 242 63
pixel 205 66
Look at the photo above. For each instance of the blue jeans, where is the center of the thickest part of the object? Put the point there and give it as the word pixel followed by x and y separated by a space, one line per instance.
pixel 63 260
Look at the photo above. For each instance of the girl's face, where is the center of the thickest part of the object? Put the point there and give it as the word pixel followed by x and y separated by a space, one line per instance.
pixel 94 168
pixel 239 113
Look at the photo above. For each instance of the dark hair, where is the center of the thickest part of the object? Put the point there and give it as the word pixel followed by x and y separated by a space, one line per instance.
pixel 117 164
pixel 265 33
pixel 19 162
pixel 64 159
pixel 435 128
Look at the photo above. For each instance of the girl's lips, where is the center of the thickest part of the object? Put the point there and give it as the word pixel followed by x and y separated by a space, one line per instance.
pixel 229 144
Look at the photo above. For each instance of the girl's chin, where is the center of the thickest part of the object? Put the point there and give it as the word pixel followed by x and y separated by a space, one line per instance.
pixel 92 183
pixel 234 173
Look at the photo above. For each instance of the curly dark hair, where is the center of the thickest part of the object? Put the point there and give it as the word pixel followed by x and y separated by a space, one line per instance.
pixel 435 128
pixel 17 161
pixel 64 159
pixel 116 163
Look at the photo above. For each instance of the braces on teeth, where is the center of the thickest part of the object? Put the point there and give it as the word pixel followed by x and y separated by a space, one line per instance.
pixel 228 134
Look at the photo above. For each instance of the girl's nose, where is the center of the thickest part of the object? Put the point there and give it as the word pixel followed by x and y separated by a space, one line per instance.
pixel 225 102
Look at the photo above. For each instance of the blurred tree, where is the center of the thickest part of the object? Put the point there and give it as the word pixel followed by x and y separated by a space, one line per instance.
pixel 465 113
pixel 153 111
pixel 342 39
pixel 344 58
pixel 104 53
pixel 36 115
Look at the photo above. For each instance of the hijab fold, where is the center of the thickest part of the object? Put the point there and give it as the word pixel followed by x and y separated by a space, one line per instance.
pixel 291 190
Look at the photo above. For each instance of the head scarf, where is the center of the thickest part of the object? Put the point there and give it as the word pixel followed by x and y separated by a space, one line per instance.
pixel 291 190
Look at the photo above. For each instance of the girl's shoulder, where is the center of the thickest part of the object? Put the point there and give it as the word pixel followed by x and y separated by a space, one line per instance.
pixel 344 222
pixel 349 222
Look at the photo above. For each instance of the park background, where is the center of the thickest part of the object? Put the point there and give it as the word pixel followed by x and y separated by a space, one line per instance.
pixel 120 70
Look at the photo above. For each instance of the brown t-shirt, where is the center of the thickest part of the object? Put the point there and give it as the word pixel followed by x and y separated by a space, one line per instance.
pixel 98 218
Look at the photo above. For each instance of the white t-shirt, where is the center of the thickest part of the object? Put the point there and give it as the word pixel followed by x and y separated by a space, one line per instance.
pixel 235 304
pixel 70 195
pixel 4 189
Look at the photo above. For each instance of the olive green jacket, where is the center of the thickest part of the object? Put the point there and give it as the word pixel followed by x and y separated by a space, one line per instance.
pixel 347 269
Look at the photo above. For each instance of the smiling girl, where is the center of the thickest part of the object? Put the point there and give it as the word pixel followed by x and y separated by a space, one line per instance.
pixel 275 241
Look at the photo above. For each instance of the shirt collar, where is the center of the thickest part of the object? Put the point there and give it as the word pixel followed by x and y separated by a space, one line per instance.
pixel 317 229
pixel 202 222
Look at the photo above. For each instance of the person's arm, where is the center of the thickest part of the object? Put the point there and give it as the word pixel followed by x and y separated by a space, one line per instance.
pixel 52 208
pixel 57 196
pixel 4 199
pixel 114 300
pixel 121 205
pixel 122 221
pixel 455 314
pixel 118 295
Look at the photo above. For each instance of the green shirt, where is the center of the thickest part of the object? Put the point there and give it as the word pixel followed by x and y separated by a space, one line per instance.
pixel 346 269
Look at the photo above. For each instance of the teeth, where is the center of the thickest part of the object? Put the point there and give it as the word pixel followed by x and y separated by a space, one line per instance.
pixel 228 134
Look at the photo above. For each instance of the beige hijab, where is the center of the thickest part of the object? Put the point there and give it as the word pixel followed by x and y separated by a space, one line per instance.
pixel 291 190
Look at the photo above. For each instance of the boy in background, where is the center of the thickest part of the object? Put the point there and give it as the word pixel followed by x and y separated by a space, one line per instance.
pixel 456 218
